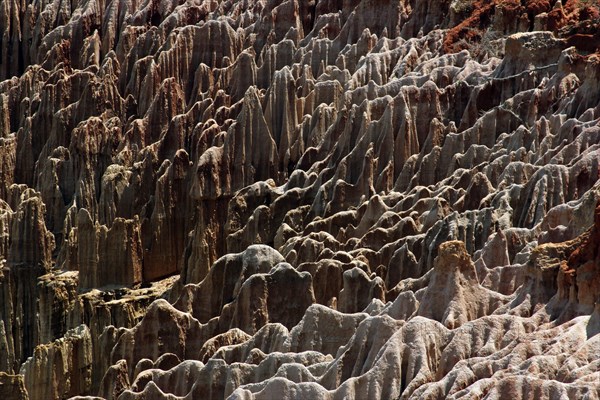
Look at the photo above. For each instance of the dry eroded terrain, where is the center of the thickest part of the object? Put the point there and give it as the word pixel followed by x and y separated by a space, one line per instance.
pixel 283 199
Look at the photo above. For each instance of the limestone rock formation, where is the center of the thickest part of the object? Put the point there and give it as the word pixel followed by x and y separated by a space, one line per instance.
pixel 13 386
pixel 299 199
pixel 70 356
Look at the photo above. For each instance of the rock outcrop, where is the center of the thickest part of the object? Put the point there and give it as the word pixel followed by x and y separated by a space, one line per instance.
pixel 70 356
pixel 299 199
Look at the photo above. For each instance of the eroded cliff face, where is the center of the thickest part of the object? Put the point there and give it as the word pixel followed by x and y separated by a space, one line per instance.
pixel 300 199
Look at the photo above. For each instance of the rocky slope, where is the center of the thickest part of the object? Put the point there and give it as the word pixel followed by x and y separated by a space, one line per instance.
pixel 271 199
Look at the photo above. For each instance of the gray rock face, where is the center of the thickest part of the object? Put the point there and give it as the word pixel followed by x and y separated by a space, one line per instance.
pixel 299 199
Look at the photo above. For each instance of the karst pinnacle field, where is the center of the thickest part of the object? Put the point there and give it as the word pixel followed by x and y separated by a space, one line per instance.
pixel 298 200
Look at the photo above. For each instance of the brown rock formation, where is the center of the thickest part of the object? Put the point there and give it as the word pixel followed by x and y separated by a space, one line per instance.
pixel 453 295
pixel 299 199
pixel 62 368
pixel 12 386
pixel 108 256
pixel 578 275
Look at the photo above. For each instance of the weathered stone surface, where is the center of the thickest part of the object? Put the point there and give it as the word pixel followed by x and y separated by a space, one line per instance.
pixel 31 243
pixel 108 256
pixel 13 386
pixel 453 295
pixel 299 199
pixel 62 368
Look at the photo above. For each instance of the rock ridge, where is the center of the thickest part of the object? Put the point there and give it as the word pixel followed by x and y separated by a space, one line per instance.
pixel 299 199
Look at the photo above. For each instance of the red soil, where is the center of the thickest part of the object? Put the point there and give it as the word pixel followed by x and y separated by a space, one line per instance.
pixel 574 20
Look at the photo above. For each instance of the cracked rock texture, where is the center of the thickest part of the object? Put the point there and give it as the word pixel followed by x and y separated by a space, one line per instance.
pixel 283 199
